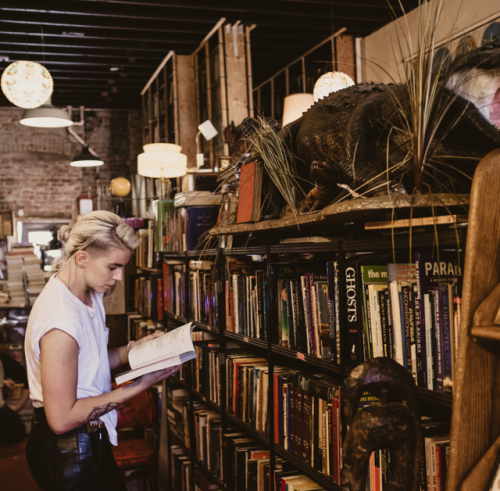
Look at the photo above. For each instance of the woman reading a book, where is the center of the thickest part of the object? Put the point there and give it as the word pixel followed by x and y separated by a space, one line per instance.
pixel 74 422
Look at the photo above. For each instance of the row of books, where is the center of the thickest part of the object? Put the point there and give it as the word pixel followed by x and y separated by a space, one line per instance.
pixel 307 417
pixel 409 312
pixel 406 311
pixel 206 371
pixel 181 224
pixel 203 292
pixel 180 465
pixel 245 298
pixel 174 287
pixel 148 298
pixel 233 458
pixel 307 421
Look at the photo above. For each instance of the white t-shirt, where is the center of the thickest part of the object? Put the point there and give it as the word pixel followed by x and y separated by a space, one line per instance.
pixel 57 308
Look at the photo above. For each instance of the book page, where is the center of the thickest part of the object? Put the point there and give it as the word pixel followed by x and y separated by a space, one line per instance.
pixel 171 344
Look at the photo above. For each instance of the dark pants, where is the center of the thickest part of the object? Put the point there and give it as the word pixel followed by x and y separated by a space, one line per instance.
pixel 11 426
pixel 73 461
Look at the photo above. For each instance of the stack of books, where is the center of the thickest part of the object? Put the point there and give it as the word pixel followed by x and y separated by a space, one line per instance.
pixel 16 280
pixel 35 276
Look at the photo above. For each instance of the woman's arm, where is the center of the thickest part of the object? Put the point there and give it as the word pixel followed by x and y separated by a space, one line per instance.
pixel 119 356
pixel 59 366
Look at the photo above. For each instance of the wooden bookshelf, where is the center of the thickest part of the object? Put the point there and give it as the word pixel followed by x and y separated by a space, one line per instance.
pixel 279 355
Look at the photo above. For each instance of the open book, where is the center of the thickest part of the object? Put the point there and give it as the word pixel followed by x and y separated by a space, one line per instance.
pixel 173 348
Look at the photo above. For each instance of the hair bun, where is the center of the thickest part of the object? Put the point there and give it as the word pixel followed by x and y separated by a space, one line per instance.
pixel 63 233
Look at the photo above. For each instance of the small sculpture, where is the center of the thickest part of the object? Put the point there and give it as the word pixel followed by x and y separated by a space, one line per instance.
pixel 393 423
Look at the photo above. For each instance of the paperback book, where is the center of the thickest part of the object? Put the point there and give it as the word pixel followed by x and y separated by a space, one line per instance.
pixel 171 349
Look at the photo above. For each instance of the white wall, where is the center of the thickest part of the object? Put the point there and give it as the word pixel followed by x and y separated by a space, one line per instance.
pixel 383 51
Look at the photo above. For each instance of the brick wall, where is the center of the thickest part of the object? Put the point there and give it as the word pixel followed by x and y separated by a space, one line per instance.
pixel 35 175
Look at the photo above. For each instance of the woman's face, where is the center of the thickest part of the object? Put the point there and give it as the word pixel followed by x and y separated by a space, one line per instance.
pixel 104 268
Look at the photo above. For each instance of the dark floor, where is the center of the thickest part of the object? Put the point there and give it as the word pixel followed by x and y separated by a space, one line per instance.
pixel 14 472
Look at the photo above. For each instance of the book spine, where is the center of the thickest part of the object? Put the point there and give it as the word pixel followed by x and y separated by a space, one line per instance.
pixel 419 337
pixel 337 311
pixel 352 324
pixel 260 304
pixel 306 432
pixel 413 339
pixel 368 344
pixel 310 314
pixel 428 341
pixel 298 309
pixel 299 426
pixel 439 340
pixel 396 324
pixel 330 275
pixel 289 315
pixel 275 407
pixel 382 300
pixel 446 339
pixel 264 306
pixel 421 321
pixel 407 323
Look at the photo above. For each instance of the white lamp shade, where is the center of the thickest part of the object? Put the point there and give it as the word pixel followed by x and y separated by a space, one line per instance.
pixel 331 82
pixel 27 84
pixel 162 160
pixel 295 106
pixel 208 130
pixel 46 116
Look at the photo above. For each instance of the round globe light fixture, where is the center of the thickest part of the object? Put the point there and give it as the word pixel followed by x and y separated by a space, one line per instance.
pixel 162 160
pixel 120 187
pixel 331 82
pixel 46 116
pixel 86 159
pixel 27 84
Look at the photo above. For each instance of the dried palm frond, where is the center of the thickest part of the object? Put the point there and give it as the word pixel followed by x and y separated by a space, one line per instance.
pixel 279 164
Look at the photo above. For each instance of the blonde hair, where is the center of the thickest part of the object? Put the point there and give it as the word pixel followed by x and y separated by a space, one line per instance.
pixel 98 230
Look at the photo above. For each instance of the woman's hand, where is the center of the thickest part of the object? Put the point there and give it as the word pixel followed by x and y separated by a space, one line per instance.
pixel 145 339
pixel 146 381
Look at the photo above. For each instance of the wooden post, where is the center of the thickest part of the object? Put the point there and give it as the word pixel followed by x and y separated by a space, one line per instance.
pixel 223 85
pixel 248 29
pixel 345 55
pixel 187 111
pixel 236 68
pixel 476 387
pixel 166 90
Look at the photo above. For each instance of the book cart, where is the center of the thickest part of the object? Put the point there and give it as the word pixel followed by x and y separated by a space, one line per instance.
pixel 271 254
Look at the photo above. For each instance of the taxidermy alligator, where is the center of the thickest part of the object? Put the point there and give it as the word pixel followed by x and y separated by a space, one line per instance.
pixel 352 136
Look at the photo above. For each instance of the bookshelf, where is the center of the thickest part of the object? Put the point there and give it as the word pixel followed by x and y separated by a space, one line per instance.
pixel 276 355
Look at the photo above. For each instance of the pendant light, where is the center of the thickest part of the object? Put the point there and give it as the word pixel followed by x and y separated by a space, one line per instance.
pixel 331 82
pixel 295 105
pixel 46 116
pixel 86 159
pixel 27 84
pixel 162 160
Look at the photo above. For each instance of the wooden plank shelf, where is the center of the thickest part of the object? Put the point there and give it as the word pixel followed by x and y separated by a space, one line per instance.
pixel 258 343
pixel 206 327
pixel 350 210
pixel 175 317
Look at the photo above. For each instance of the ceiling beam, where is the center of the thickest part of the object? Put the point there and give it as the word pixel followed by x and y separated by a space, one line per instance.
pixel 267 34
pixel 264 22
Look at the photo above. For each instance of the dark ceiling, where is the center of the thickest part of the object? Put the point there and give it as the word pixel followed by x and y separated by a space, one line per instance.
pixel 101 53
